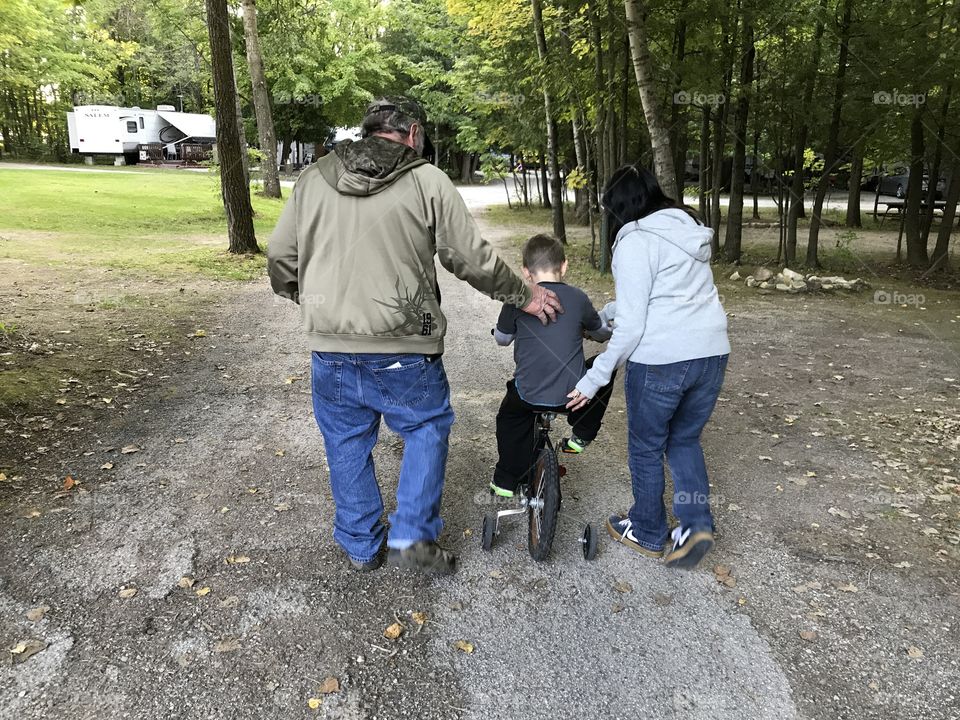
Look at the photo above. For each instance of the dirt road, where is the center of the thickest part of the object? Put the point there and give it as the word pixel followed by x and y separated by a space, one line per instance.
pixel 228 488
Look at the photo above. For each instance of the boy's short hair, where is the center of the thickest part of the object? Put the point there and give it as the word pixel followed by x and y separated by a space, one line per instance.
pixel 543 253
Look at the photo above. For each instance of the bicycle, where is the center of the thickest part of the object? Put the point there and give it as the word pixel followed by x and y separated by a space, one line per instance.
pixel 539 500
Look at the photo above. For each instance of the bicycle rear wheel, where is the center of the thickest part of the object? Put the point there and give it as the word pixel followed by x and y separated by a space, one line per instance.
pixel 544 504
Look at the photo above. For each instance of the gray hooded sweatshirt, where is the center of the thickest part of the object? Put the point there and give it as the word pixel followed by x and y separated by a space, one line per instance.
pixel 667 308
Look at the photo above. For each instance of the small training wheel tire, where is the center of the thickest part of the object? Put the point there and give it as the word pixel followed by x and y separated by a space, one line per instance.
pixel 589 541
pixel 489 528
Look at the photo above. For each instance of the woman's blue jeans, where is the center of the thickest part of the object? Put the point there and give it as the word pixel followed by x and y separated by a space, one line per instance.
pixel 667 409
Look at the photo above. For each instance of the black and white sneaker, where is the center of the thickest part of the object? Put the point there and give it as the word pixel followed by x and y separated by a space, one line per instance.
pixel 621 529
pixel 689 547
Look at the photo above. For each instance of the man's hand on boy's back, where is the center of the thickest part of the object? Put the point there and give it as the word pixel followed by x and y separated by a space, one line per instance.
pixel 544 304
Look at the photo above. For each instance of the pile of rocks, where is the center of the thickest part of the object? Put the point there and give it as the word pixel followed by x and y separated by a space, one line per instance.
pixel 793 282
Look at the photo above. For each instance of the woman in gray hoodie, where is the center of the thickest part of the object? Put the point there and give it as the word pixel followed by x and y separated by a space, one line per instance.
pixel 671 331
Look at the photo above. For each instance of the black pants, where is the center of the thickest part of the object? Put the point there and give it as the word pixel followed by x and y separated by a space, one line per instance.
pixel 517 432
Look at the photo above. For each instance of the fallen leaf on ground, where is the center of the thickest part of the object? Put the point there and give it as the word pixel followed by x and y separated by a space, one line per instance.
pixel 903 565
pixel 393 631
pixel 496 574
pixel 36 614
pixel 129 449
pixel 26 649
pixel 314 703
pixel 280 453
pixel 185 582
pixel 839 513
pixel 419 617
pixel 3 478
pixel 107 466
pixel 622 587
pixel 291 380
pixel 848 587
pixel 32 514
pixel 721 570
pixel 281 507
pixel 237 560
pixel 808 635
pixel 203 591
pixel 914 652
pixel 330 685
pixel 127 593
pixel 618 607
pixel 226 645
pixel 464 646
pixel 200 333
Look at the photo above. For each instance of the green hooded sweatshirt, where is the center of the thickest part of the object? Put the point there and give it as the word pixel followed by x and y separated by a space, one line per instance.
pixel 355 246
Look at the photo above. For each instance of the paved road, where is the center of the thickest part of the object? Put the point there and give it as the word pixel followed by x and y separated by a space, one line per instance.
pixel 477 196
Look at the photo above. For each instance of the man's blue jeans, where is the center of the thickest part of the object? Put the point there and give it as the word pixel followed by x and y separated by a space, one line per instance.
pixel 667 409
pixel 351 392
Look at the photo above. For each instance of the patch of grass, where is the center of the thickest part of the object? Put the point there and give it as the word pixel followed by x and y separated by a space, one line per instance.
pixel 157 203
pixel 154 222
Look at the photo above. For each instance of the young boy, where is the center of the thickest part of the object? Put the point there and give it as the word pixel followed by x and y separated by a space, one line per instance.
pixel 549 362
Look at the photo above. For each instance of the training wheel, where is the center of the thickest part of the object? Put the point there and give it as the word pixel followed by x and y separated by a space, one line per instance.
pixel 588 540
pixel 489 529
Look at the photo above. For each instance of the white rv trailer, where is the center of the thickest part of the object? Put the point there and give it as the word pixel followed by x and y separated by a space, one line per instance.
pixel 132 134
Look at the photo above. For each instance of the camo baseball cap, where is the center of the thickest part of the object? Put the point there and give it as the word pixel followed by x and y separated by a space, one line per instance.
pixel 398 104
pixel 403 105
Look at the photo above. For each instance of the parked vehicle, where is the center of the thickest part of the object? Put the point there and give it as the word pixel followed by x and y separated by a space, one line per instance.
pixel 896 182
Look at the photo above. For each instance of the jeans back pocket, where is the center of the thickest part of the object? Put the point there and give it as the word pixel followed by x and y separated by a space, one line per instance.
pixel 326 378
pixel 403 385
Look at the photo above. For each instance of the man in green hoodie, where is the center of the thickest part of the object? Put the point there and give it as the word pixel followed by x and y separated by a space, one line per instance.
pixel 355 248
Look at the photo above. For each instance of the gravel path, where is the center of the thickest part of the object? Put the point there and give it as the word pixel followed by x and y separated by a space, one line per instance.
pixel 229 489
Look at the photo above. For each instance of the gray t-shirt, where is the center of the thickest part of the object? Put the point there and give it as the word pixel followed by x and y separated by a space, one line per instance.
pixel 549 357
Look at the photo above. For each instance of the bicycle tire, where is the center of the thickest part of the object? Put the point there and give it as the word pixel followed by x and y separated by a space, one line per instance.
pixel 544 508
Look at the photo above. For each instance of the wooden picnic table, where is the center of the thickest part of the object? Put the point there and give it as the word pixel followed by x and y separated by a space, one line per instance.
pixel 899 206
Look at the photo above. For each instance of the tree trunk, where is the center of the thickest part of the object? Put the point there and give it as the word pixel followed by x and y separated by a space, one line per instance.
pixel 704 161
pixel 678 115
pixel 236 191
pixel 856 180
pixel 797 185
pixel 643 68
pixel 916 247
pixel 941 256
pixel 754 186
pixel 544 181
pixel 261 102
pixel 553 150
pixel 934 174
pixel 716 172
pixel 732 241
pixel 833 138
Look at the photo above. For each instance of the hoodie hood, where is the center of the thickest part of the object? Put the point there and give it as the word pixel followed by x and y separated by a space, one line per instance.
pixel 676 227
pixel 369 166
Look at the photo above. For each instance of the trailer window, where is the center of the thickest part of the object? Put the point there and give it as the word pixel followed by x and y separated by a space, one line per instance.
pixel 141 123
pixel 131 126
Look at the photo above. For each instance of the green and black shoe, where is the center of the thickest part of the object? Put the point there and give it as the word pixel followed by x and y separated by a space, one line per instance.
pixel 573 445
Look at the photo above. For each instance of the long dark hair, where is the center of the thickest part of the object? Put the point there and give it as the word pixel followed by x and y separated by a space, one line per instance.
pixel 632 193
